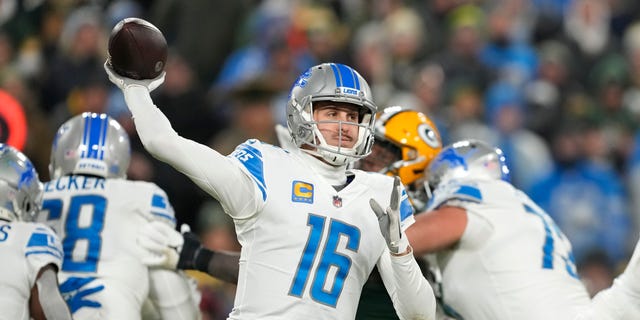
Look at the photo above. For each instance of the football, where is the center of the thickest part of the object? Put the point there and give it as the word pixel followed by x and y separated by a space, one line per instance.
pixel 137 49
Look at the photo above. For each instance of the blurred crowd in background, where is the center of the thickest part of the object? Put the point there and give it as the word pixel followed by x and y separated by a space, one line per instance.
pixel 554 83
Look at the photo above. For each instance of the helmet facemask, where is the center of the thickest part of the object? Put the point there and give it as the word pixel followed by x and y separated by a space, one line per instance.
pixel 315 86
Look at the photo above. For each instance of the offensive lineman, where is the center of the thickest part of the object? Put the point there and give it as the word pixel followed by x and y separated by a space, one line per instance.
pixel 501 256
pixel 31 253
pixel 98 213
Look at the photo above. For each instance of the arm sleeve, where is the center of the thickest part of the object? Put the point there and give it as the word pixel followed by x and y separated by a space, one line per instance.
pixel 173 295
pixel 410 292
pixel 222 265
pixel 49 298
pixel 622 300
pixel 206 167
pixel 616 303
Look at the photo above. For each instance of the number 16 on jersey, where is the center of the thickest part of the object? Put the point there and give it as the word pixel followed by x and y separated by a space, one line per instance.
pixel 324 290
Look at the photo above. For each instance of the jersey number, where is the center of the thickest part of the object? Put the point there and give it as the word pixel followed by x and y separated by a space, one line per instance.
pixel 4 232
pixel 553 233
pixel 77 232
pixel 328 260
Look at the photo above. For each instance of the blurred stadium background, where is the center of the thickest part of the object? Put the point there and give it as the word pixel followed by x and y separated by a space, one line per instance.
pixel 554 83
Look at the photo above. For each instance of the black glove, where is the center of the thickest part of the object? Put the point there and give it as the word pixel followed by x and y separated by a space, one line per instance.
pixel 193 255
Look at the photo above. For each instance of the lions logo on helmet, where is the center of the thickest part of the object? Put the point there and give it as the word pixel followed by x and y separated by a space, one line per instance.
pixel 467 158
pixel 93 144
pixel 20 187
pixel 330 82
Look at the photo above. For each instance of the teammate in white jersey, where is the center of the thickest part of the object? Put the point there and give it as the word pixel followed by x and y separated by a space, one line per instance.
pixel 98 213
pixel 309 239
pixel 31 253
pixel 501 256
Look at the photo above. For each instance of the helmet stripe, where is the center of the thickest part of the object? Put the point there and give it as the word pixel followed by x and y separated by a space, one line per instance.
pixel 348 77
pixel 336 74
pixel 94 136
pixel 104 126
pixel 355 76
pixel 85 136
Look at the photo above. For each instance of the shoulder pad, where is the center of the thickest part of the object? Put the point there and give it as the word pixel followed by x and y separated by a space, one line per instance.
pixel 161 207
pixel 43 247
pixel 249 154
pixel 455 190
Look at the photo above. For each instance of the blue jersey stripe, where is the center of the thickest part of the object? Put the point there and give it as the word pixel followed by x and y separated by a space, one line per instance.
pixel 42 241
pixel 159 201
pixel 54 253
pixel 251 158
pixel 406 209
pixel 548 247
pixel 470 193
pixel 164 216
pixel 39 240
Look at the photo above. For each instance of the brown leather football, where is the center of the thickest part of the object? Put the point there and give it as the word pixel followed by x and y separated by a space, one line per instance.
pixel 137 49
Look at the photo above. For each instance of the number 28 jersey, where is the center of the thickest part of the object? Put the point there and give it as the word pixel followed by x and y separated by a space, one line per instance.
pixel 512 261
pixel 98 221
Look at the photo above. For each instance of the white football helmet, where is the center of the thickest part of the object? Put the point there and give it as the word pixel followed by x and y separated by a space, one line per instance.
pixel 330 82
pixel 467 158
pixel 20 186
pixel 93 144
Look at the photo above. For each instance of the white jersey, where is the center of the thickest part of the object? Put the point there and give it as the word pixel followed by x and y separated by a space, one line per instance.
pixel 512 261
pixel 309 249
pixel 25 248
pixel 102 276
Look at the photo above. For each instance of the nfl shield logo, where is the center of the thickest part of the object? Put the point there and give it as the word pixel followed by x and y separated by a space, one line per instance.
pixel 337 202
